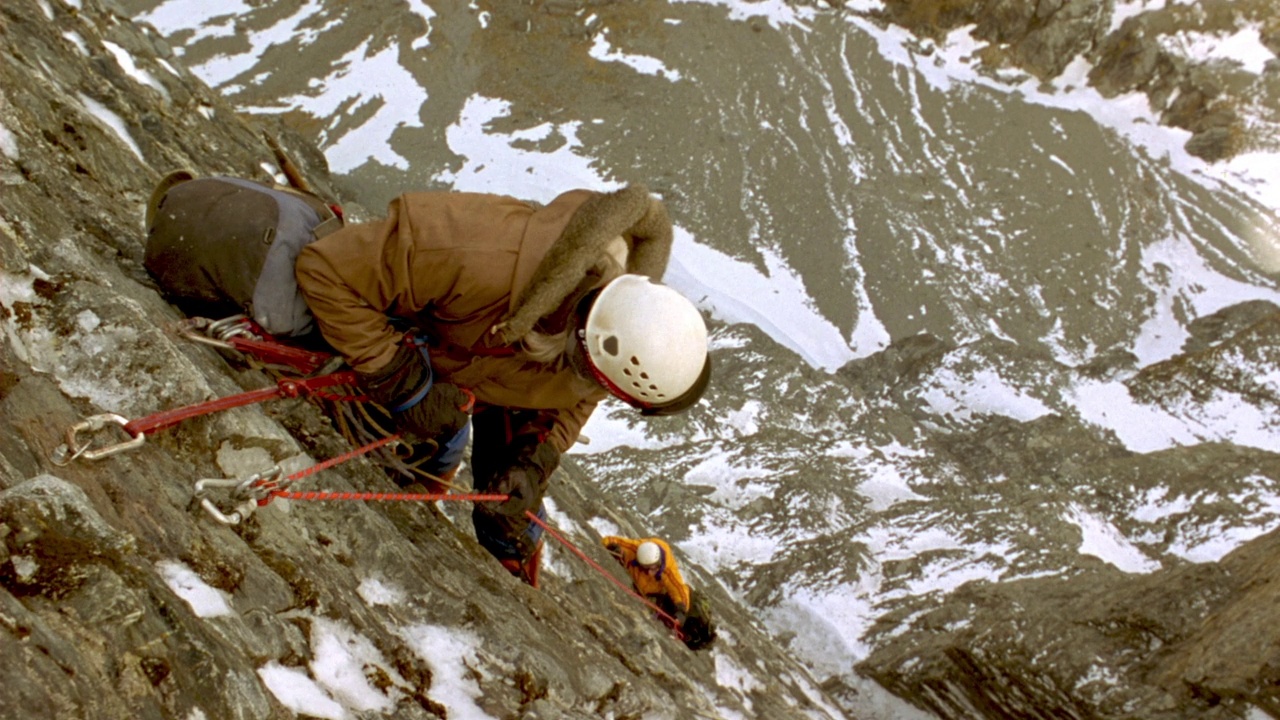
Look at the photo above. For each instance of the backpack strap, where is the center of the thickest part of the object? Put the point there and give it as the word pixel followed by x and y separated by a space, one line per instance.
pixel 332 225
pixel 330 221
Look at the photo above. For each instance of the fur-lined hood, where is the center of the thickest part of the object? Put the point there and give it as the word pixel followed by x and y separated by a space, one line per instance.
pixel 630 213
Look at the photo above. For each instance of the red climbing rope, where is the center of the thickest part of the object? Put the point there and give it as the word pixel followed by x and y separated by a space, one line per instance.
pixel 285 388
pixel 422 497
pixel 336 460
pixel 275 488
pixel 259 491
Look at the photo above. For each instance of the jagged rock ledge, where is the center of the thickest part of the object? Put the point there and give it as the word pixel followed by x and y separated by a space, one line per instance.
pixel 1227 109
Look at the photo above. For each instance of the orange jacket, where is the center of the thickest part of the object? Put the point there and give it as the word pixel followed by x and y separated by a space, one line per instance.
pixel 667 582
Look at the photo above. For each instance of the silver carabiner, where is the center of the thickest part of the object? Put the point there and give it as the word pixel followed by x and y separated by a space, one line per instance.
pixel 70 450
pixel 242 511
pixel 231 326
pixel 249 491
pixel 259 485
pixel 216 333
pixel 197 330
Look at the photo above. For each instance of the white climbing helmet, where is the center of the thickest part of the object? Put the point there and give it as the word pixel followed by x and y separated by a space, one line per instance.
pixel 647 344
pixel 648 553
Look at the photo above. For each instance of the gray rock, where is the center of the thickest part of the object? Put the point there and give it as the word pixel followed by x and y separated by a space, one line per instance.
pixel 1186 640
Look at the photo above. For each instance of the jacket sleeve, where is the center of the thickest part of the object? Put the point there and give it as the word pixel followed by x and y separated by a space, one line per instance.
pixel 349 294
pixel 626 546
pixel 567 424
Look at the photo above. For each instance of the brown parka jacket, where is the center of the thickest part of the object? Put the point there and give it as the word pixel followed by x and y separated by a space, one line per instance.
pixel 474 273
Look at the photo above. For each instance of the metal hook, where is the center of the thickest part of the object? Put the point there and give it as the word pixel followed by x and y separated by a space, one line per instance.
pixel 242 511
pixel 251 491
pixel 217 333
pixel 197 330
pixel 231 326
pixel 70 450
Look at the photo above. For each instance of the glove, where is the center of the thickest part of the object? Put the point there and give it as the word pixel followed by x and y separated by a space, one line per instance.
pixel 680 618
pixel 419 407
pixel 441 414
pixel 525 481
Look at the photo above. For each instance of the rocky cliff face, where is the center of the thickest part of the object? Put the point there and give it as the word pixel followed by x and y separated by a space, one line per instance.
pixel 1190 640
pixel 1227 109
pixel 120 597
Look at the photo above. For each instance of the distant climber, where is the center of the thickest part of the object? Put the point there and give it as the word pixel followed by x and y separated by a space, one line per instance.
pixel 656 576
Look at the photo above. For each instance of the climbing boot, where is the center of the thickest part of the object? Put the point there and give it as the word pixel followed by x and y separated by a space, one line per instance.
pixel 528 570
pixel 532 566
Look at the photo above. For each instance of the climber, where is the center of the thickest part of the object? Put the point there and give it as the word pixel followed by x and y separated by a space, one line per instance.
pixel 536 312
pixel 656 577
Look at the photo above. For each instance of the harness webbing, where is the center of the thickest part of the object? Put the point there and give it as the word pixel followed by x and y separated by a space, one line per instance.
pixel 272 352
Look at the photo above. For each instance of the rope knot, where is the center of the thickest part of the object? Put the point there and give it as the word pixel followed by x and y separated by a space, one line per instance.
pixel 289 388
